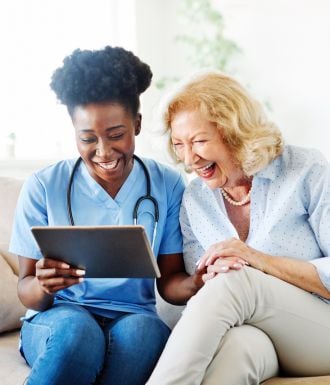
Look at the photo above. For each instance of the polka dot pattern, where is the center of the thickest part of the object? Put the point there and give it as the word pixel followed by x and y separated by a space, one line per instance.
pixel 290 212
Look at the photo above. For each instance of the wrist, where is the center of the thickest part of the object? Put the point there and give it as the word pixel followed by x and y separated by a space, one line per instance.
pixel 260 261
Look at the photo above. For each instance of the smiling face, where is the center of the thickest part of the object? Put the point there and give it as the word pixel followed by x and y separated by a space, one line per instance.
pixel 198 143
pixel 105 137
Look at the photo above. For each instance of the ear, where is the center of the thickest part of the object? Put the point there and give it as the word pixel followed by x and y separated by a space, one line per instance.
pixel 138 121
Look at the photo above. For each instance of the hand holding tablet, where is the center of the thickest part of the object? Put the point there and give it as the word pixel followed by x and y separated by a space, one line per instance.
pixel 103 251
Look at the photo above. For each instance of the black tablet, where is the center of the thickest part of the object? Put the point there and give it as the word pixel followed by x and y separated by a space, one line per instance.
pixel 103 251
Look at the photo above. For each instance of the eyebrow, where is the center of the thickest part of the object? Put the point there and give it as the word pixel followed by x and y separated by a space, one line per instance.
pixel 107 129
pixel 194 136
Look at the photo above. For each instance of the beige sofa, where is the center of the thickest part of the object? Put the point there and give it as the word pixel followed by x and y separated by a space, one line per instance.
pixel 13 369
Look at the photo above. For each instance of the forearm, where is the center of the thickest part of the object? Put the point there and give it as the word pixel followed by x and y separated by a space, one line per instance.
pixel 32 296
pixel 299 273
pixel 178 288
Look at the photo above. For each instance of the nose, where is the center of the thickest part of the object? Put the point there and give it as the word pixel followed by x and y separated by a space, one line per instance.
pixel 189 155
pixel 103 148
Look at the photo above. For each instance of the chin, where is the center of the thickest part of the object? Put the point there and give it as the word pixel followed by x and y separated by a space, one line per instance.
pixel 212 184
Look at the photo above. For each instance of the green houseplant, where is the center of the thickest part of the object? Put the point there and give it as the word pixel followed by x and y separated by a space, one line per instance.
pixel 203 40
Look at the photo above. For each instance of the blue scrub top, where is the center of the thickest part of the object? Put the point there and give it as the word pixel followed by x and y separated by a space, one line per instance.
pixel 42 202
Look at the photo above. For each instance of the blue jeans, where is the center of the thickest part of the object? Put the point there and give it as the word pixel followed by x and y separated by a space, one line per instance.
pixel 67 345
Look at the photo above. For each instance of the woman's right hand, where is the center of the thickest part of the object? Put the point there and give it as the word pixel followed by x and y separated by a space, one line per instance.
pixel 54 275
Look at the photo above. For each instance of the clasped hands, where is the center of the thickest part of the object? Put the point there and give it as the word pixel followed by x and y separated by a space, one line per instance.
pixel 222 257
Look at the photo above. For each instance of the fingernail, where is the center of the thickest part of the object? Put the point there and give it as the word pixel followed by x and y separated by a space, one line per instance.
pixel 224 268
pixel 65 266
pixel 81 280
pixel 80 272
pixel 198 262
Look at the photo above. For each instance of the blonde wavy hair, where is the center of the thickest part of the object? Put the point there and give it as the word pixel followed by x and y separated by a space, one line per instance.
pixel 253 140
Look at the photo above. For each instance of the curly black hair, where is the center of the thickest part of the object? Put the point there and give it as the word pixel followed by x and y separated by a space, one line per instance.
pixel 110 74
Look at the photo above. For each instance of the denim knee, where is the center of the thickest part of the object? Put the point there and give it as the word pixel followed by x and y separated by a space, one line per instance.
pixel 64 343
pixel 135 344
pixel 144 329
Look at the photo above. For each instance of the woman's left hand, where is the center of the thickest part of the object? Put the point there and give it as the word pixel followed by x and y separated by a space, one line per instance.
pixel 232 254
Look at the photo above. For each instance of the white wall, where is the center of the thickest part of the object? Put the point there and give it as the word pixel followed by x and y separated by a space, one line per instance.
pixel 285 63
pixel 35 36
pixel 285 59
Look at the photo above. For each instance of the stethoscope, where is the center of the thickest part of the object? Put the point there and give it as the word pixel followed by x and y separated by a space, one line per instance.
pixel 145 197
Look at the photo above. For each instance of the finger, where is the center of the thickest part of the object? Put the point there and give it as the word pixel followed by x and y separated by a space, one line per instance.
pixel 72 272
pixel 208 276
pixel 228 248
pixel 200 264
pixel 45 263
pixel 212 252
pixel 217 269
pixel 200 270
pixel 229 252
pixel 198 279
pixel 55 272
pixel 212 258
pixel 55 284
pixel 224 267
pixel 223 260
pixel 204 260
pixel 55 289
pixel 243 262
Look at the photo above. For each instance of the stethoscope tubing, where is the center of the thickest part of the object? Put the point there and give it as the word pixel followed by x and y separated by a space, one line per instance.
pixel 145 197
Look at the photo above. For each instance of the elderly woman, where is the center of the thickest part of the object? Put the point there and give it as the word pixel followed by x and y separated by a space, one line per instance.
pixel 256 225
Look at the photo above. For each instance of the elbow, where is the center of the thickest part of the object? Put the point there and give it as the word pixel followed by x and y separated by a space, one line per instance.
pixel 171 292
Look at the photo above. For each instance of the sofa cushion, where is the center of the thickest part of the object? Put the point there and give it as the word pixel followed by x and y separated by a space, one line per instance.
pixel 9 191
pixel 11 308
pixel 11 259
pixel 13 369
pixel 170 314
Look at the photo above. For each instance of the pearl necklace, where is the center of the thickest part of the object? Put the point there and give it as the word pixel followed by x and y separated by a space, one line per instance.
pixel 242 202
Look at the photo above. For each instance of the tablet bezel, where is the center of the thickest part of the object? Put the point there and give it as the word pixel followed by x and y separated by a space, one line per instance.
pixel 86 247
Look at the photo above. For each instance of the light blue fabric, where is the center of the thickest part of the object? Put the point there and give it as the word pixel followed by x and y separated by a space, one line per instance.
pixel 42 202
pixel 290 212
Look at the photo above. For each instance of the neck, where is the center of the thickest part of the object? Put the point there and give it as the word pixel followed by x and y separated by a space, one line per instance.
pixel 238 195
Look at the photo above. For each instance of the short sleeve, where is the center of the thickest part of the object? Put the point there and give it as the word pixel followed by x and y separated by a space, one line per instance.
pixel 30 211
pixel 172 239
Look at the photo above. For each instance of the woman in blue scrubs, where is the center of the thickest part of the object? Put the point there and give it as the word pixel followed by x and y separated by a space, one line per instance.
pixel 105 331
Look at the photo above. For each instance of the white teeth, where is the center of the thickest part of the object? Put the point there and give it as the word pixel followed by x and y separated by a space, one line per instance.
pixel 202 169
pixel 109 165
